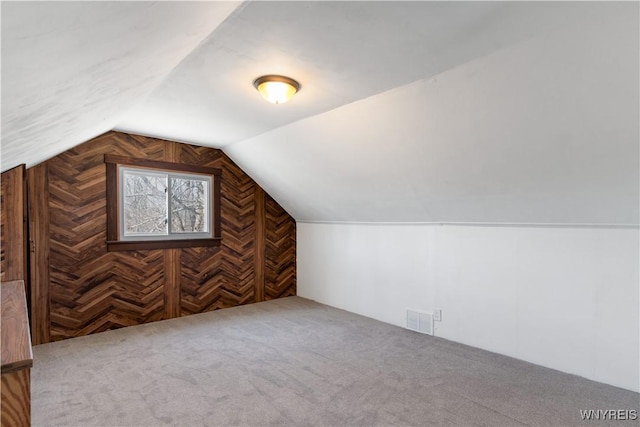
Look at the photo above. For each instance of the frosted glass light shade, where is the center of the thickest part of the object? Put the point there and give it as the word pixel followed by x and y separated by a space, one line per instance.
pixel 276 89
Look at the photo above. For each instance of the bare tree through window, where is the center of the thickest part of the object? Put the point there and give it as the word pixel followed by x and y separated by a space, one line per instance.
pixel 188 201
pixel 160 204
pixel 145 203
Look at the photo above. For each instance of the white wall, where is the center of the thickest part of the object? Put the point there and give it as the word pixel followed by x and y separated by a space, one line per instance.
pixel 565 298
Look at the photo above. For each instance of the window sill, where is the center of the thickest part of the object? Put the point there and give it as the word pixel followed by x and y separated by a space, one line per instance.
pixel 142 245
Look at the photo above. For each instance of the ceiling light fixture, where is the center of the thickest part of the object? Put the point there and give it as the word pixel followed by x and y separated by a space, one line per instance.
pixel 276 89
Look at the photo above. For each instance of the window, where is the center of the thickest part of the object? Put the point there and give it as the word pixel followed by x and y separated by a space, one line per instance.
pixel 153 205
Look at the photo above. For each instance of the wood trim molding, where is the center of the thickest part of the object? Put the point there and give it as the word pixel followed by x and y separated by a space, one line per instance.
pixel 172 275
pixel 14 238
pixel 217 206
pixel 157 164
pixel 112 202
pixel 260 244
pixel 172 152
pixel 38 196
pixel 139 245
pixel 172 257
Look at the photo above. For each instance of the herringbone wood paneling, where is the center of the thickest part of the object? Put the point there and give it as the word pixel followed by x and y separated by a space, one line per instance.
pixel 280 252
pixel 222 277
pixel 93 290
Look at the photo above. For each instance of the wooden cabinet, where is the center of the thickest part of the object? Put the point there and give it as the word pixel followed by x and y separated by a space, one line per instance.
pixel 17 356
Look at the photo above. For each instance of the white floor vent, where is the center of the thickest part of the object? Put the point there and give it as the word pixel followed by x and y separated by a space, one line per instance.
pixel 420 321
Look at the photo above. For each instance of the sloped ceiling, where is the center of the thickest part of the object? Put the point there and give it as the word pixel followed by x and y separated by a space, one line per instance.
pixel 340 51
pixel 71 70
pixel 418 111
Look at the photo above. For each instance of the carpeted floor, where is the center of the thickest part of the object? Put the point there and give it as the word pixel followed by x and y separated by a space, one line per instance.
pixel 295 362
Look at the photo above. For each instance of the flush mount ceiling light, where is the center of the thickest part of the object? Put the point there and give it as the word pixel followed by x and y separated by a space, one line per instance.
pixel 276 89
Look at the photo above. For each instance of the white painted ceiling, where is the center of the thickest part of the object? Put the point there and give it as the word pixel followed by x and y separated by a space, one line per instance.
pixel 71 70
pixel 409 111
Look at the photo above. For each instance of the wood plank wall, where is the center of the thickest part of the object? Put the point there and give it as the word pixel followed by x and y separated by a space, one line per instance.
pixel 13 225
pixel 38 190
pixel 15 389
pixel 280 251
pixel 91 290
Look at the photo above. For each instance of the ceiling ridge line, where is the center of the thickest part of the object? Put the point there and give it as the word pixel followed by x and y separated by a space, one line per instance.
pixel 421 80
pixel 205 39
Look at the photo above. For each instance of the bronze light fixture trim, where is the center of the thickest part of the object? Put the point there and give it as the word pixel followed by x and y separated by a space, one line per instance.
pixel 275 88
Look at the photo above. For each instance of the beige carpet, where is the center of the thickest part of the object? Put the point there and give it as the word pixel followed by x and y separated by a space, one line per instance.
pixel 295 362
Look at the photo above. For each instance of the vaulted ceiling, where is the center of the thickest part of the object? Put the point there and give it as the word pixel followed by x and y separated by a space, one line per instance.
pixel 409 111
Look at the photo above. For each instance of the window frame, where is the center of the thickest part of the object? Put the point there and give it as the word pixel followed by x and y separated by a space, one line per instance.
pixel 116 242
